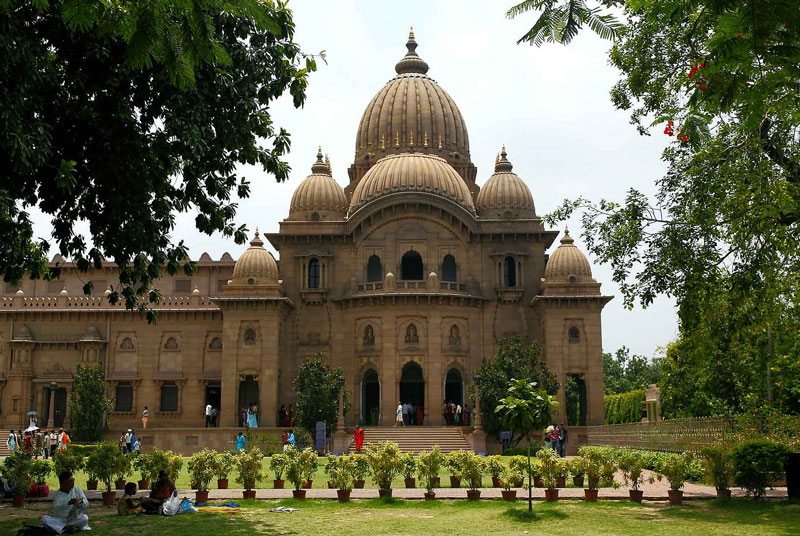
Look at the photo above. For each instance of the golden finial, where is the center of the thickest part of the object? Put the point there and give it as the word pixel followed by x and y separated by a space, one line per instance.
pixel 425 140
pixel 319 153
pixel 256 232
pixel 440 142
pixel 411 33
pixel 383 142
pixel 503 153
pixel 397 139
pixel 411 139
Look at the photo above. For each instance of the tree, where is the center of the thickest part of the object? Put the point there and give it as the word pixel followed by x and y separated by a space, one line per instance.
pixel 122 114
pixel 526 410
pixel 560 21
pixel 623 372
pixel 317 387
pixel 89 404
pixel 513 358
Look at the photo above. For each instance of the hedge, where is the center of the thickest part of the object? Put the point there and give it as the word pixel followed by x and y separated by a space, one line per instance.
pixel 651 459
pixel 624 407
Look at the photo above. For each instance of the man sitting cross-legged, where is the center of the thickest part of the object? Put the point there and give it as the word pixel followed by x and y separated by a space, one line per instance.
pixel 69 505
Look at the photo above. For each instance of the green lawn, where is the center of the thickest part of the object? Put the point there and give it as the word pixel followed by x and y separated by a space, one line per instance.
pixel 376 518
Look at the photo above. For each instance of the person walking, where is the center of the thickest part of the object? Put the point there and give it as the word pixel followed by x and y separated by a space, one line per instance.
pixel 63 440
pixel 399 417
pixel 208 415
pixel 214 413
pixel 127 441
pixel 555 434
pixel 240 442
pixel 11 442
pixel 132 441
pixel 562 441
pixel 359 437
pixel 53 442
pixel 458 414
pixel 44 446
pixel 145 417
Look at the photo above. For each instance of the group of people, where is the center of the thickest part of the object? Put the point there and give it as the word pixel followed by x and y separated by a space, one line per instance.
pixel 211 416
pixel 129 443
pixel 38 442
pixel 555 437
pixel 286 416
pixel 409 414
pixel 249 416
pixel 288 439
pixel 455 415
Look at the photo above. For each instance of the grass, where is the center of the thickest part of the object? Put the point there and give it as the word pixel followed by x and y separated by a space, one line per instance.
pixel 398 517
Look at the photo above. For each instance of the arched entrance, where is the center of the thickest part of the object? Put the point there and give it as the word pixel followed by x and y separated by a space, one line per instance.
pixel 412 390
pixel 248 395
pixel 370 398
pixel 454 387
pixel 411 268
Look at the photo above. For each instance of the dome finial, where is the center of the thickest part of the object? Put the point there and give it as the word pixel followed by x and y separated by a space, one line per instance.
pixel 319 166
pixel 502 164
pixel 256 241
pixel 566 239
pixel 411 63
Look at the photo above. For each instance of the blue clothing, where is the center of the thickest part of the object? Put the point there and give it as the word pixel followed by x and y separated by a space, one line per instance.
pixel 252 420
pixel 290 439
pixel 240 442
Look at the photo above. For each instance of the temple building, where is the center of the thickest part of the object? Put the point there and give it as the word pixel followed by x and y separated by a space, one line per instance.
pixel 406 278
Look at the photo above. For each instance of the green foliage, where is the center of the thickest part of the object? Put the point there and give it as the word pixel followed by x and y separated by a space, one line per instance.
pixel 510 478
pixel 597 464
pixel 624 407
pixel 158 100
pixel 317 388
pixel 408 465
pixel 17 470
pixel 105 462
pixel 277 463
pixel 41 469
pixel 89 403
pixel 675 468
pixel 561 20
pixel 300 464
pixel 225 463
pixel 623 372
pixel 494 465
pixel 551 467
pixel 526 409
pixel 522 451
pixel 473 468
pixel 718 464
pixel 159 459
pixel 384 462
pixel 203 467
pixel 757 464
pixel 341 470
pixel 361 466
pixel 513 359
pixel 249 468
pixel 71 460
pixel 124 466
pixel 429 463
pixel 632 465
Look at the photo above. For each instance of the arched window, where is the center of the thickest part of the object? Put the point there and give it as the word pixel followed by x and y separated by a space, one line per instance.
pixel 449 268
pixel 374 269
pixel 411 266
pixel 574 334
pixel 509 272
pixel 313 273
pixel 573 279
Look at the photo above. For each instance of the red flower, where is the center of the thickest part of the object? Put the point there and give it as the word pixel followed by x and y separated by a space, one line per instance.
pixel 684 138
pixel 702 88
pixel 671 122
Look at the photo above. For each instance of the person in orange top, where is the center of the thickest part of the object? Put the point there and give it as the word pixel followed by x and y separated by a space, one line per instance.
pixel 63 440
pixel 359 437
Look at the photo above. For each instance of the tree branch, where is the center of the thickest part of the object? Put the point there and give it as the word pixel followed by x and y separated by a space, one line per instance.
pixel 775 154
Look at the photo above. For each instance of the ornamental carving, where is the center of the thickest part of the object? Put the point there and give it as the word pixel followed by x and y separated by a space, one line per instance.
pixel 171 344
pixel 369 337
pixel 127 345
pixel 411 334
pixel 455 336
pixel 249 336
pixel 216 344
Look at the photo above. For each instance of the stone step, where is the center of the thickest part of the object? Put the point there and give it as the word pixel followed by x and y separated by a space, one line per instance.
pixel 416 438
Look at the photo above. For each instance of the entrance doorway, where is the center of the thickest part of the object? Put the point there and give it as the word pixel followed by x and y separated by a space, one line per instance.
pixel 575 395
pixel 412 390
pixel 214 397
pixel 454 387
pixel 59 408
pixel 248 396
pixel 370 398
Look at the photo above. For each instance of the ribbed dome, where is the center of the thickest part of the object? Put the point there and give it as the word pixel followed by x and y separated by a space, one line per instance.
pixel 412 172
pixel 319 197
pixel 505 195
pixel 412 110
pixel 256 264
pixel 566 261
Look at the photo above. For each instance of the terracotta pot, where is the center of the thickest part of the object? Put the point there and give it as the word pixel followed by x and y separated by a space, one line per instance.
pixel 308 484
pixel 495 482
pixel 577 481
pixel 299 494
pixel 551 495
pixel 636 495
pixel 119 484
pixel 723 493
pixel 411 483
pixel 561 482
pixel 385 493
pixel 358 484
pixel 675 496
pixel 201 496
pixel 430 496
pixel 473 494
pixel 277 484
pixel 144 484
pixel 455 482
pixel 436 482
pixel 222 483
pixel 91 485
pixel 343 495
pixel 109 498
pixel 18 500
pixel 249 494
pixel 537 482
pixel 509 494
pixel 590 495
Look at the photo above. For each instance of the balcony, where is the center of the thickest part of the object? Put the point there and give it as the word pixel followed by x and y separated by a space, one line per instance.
pixel 430 291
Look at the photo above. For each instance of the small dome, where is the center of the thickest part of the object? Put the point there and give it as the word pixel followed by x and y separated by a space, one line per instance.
pixel 505 195
pixel 566 262
pixel 412 172
pixel 319 197
pixel 256 266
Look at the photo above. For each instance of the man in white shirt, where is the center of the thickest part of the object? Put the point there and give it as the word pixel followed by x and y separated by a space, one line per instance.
pixel 69 505
pixel 208 415
pixel 399 418
pixel 53 442
pixel 127 442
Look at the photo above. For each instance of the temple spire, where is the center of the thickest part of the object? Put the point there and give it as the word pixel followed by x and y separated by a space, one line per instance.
pixel 319 166
pixel 411 63
pixel 502 164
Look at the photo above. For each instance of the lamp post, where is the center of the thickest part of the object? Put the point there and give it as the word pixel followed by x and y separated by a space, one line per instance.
pixel 50 421
pixel 477 380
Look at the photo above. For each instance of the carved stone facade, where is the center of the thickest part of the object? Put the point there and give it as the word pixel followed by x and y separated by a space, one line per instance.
pixel 405 279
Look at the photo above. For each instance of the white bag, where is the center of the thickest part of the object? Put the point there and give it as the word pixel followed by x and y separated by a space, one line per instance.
pixel 171 505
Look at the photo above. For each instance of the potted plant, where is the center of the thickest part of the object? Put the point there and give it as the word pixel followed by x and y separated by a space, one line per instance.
pixel 341 474
pixel 508 479
pixel 632 466
pixel 675 468
pixel 17 471
pixel 329 467
pixel 298 466
pixel 575 467
pixel 277 463
pixel 472 469
pixel 453 462
pixel 310 464
pixel 105 462
pixel 167 460
pixel 143 463
pixel 123 470
pixel 494 466
pixel 429 464
pixel 550 469
pixel 518 466
pixel 536 473
pixel 224 466
pixel 360 469
pixel 40 470
pixel 249 470
pixel 599 468
pixel 384 463
pixel 718 465
pixel 408 468
pixel 202 469
pixel 563 471
pixel 70 460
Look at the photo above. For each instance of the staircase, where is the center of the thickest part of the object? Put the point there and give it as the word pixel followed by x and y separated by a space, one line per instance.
pixel 3 447
pixel 416 438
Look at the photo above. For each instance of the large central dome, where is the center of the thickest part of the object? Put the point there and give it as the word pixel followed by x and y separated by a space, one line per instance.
pixel 412 113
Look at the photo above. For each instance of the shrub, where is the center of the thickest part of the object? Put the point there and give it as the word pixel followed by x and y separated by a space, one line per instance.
pixel 522 451
pixel 624 407
pixel 494 466
pixel 384 463
pixel 124 466
pixel 757 464
pixel 718 464
pixel 104 463
pixel 598 465
pixel 17 470
pixel 675 468
pixel 360 466
pixel 277 463
pixel 162 459
pixel 429 464
pixel 408 465
pixel 203 467
pixel 341 472
pixel 68 460
pixel 249 468
pixel 454 462
pixel 509 477
pixel 299 465
pixel 576 466
pixel 225 462
pixel 472 469
pixel 551 467
pixel 632 466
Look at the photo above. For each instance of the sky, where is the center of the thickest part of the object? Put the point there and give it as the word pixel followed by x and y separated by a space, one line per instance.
pixel 550 106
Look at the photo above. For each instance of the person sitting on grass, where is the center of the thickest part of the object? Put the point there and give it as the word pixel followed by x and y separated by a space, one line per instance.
pixel 69 505
pixel 161 491
pixel 128 504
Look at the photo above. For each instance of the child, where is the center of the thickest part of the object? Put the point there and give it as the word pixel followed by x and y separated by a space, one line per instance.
pixel 128 504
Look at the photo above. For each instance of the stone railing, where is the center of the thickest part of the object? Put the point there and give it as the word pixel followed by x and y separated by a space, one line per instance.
pixel 96 302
